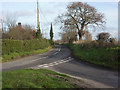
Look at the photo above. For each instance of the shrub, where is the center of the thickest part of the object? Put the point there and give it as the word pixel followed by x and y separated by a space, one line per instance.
pixel 103 36
pixel 51 42
pixel 91 52
pixel 17 46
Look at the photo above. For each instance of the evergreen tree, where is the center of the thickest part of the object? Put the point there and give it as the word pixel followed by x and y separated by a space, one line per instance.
pixel 51 32
pixel 38 33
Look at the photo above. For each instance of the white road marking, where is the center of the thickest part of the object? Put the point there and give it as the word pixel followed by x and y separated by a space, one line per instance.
pixel 46 56
pixel 50 65
pixel 57 51
pixel 46 66
pixel 39 58
pixel 40 65
pixel 56 63
pixel 69 57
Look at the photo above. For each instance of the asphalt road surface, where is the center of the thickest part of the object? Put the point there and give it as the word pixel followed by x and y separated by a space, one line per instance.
pixel 60 60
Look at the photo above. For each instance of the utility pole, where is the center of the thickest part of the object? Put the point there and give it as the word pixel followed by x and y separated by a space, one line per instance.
pixel 38 25
pixel 38 33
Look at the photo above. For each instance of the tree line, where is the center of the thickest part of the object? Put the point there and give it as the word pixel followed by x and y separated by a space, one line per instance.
pixel 20 32
pixel 77 21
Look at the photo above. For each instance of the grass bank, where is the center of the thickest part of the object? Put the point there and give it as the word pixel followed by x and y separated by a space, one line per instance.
pixel 103 56
pixel 40 78
pixel 12 56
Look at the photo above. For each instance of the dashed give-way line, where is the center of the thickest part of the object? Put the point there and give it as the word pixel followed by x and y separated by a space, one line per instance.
pixel 53 63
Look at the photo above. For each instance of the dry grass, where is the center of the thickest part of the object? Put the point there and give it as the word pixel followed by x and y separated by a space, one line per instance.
pixel 97 43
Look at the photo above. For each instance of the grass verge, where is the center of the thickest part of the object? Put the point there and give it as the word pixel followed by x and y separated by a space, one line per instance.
pixel 106 57
pixel 13 56
pixel 39 78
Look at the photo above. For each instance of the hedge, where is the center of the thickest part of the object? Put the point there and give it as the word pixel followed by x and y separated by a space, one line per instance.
pixel 18 46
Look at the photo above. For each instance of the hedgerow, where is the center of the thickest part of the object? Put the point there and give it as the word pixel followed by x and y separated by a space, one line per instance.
pixel 18 46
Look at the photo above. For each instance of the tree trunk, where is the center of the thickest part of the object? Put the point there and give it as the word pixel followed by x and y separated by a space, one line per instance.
pixel 80 36
pixel 80 32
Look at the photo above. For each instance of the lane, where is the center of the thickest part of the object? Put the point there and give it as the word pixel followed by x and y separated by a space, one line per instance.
pixel 103 77
pixel 59 59
pixel 31 60
pixel 77 69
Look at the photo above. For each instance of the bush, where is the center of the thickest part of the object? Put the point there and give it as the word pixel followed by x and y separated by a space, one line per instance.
pixel 91 52
pixel 51 42
pixel 103 36
pixel 18 46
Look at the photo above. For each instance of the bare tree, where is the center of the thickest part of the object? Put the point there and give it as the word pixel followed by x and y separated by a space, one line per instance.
pixel 19 32
pixel 30 32
pixel 79 16
pixel 9 19
pixel 2 22
pixel 88 36
pixel 69 36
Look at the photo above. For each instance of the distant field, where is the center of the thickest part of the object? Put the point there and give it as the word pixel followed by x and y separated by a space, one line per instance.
pixel 41 78
pixel 107 56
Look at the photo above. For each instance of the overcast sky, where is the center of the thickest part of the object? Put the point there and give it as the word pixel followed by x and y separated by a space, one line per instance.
pixel 26 13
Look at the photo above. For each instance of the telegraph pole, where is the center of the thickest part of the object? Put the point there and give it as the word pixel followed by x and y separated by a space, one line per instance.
pixel 38 25
pixel 38 33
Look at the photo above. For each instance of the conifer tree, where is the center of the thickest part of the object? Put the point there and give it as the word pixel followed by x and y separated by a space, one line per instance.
pixel 38 33
pixel 51 32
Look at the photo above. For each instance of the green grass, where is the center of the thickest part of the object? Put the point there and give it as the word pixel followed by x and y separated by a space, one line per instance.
pixel 40 78
pixel 13 56
pixel 107 57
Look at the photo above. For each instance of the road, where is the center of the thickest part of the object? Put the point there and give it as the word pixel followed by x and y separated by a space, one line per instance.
pixel 60 60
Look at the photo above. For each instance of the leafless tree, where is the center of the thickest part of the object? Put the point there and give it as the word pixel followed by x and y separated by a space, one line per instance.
pixel 9 19
pixel 79 16
pixel 19 32
pixel 69 36
pixel 88 36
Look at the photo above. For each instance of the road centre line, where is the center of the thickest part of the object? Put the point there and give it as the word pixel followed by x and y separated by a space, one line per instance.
pixel 39 58
pixel 47 56
pixel 57 51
